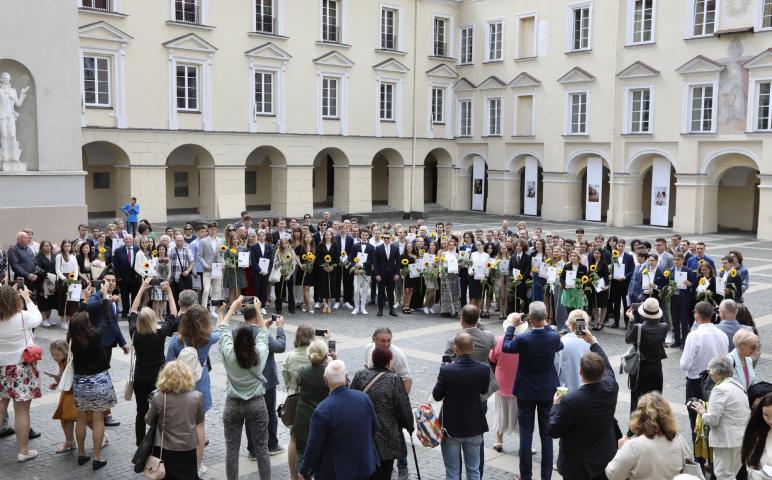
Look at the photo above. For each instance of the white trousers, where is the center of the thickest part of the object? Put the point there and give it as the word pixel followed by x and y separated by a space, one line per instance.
pixel 361 290
pixel 212 287
pixel 726 463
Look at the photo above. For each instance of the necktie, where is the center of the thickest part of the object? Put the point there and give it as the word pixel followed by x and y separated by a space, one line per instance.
pixel 131 257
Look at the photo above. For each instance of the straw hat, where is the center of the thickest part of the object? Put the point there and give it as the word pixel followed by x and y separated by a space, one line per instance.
pixel 650 309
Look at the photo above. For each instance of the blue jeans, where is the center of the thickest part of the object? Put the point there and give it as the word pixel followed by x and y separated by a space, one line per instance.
pixel 452 447
pixel 526 410
pixel 132 227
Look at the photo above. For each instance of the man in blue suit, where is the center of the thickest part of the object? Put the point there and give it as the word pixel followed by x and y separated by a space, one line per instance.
pixel 123 263
pixel 460 385
pixel 340 439
pixel 681 301
pixel 537 381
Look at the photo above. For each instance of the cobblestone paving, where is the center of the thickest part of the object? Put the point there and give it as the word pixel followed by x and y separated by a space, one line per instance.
pixel 423 340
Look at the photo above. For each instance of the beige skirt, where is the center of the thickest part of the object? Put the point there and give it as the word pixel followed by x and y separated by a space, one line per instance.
pixel 505 414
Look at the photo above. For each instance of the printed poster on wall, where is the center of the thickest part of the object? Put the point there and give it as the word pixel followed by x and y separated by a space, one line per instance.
pixel 594 189
pixel 531 186
pixel 660 192
pixel 478 184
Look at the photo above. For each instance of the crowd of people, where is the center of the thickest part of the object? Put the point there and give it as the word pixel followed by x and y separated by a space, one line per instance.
pixel 179 291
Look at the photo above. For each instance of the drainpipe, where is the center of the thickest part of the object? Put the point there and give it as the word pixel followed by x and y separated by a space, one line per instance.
pixel 615 128
pixel 415 78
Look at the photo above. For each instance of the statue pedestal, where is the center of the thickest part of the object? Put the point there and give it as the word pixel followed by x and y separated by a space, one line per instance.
pixel 14 167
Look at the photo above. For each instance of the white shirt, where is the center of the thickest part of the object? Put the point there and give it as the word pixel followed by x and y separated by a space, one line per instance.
pixel 398 363
pixel 14 337
pixel 388 249
pixel 375 243
pixel 63 267
pixel 702 344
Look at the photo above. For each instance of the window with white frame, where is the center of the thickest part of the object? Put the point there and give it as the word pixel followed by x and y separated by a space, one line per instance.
pixel 701 109
pixel 704 17
pixel 467 45
pixel 187 87
pixel 642 21
pixel 103 5
pixel 187 11
pixel 330 86
pixel 526 36
pixel 766 14
pixel 465 118
pixel 389 24
pixel 581 24
pixel 386 101
pixel 764 108
pixel 440 36
pixel 330 21
pixel 640 110
pixel 438 105
pixel 493 46
pixel 494 116
pixel 577 110
pixel 96 81
pixel 264 93
pixel 265 17
pixel 524 116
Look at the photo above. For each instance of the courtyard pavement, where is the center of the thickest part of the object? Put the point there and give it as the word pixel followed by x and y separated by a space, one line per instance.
pixel 423 341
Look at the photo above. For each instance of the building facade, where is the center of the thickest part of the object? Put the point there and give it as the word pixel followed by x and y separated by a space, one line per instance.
pixel 624 111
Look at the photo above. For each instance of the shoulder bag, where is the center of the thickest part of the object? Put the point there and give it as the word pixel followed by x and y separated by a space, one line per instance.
pixel 632 359
pixel 128 389
pixel 690 467
pixel 370 384
pixel 154 466
pixel 33 353
pixel 68 374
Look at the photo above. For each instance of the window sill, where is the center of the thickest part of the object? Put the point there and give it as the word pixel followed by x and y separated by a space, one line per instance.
pixel 491 136
pixel 638 134
pixel 486 62
pixel 443 58
pixel 524 136
pixel 96 11
pixel 699 37
pixel 265 115
pixel 100 107
pixel 581 50
pixel 526 59
pixel 335 119
pixel 441 124
pixel 698 134
pixel 385 120
pixel 464 136
pixel 198 112
pixel 759 132
pixel 267 34
pixel 175 23
pixel 640 44
pixel 576 135
pixel 468 64
pixel 324 43
pixel 390 51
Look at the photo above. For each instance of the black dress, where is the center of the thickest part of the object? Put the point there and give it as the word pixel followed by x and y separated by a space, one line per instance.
pixel 49 303
pixel 409 282
pixel 600 299
pixel 325 281
pixel 649 377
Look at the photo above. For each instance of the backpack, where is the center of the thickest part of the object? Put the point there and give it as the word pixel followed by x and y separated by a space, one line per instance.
pixel 428 427
pixel 189 356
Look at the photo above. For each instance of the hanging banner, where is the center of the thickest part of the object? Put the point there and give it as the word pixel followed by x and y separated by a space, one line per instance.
pixel 478 184
pixel 660 192
pixel 531 186
pixel 593 197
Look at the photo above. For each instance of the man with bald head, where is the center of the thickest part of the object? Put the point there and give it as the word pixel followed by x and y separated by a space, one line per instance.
pixel 460 385
pixel 21 259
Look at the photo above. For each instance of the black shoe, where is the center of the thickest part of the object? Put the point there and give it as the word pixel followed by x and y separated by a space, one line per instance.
pixel 206 442
pixel 83 459
pixel 33 434
pixel 7 432
pixel 380 312
pixel 111 422
pixel 675 345
pixel 615 324
pixel 392 312
pixel 96 464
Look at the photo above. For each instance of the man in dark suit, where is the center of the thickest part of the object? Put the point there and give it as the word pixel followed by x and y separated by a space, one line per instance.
pixel 259 250
pixel 460 385
pixel 123 263
pixel 522 262
pixel 275 236
pixel 681 301
pixel 584 420
pixel 340 439
pixel 537 381
pixel 386 270
pixel 620 287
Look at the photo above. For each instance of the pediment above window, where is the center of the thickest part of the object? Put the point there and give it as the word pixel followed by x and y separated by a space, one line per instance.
pixel 576 75
pixel 442 71
pixel 191 42
pixel 391 66
pixel 524 80
pixel 334 59
pixel 762 60
pixel 637 70
pixel 464 85
pixel 700 64
pixel 492 83
pixel 268 51
pixel 103 31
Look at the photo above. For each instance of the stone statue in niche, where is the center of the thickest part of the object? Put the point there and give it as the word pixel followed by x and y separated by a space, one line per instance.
pixel 733 91
pixel 9 101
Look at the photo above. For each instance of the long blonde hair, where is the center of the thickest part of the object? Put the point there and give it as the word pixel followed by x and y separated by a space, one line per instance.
pixel 147 321
pixel 175 377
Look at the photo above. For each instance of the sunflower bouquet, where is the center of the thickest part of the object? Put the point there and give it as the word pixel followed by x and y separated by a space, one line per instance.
pixel 357 267
pixel 493 274
pixel 730 290
pixel 101 253
pixel 652 287
pixel 307 264
pixel 703 294
pixel 71 278
pixel 327 263
pixel 404 267
pixel 430 272
pixel 670 289
pixel 286 265
pixel 345 263
pixel 464 260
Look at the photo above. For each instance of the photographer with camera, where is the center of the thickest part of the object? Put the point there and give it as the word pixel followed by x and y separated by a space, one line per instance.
pixel 647 333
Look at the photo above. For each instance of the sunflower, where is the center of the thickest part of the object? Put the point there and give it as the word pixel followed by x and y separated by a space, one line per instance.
pixel 489 264
pixel 405 261
pixel 548 260
pixel 287 257
pixel 311 257
pixel 426 264
pixel 593 268
pixel 71 276
pixel 102 250
pixel 498 261
pixel 666 273
pixel 733 273
pixel 223 248
pixel 234 251
pixel 304 257
pixel 519 277
pixel 721 270
pixel 534 269
pixel 146 266
pixel 327 258
pixel 422 252
pixel 645 270
pixel 433 234
pixel 343 254
pixel 436 259
pixel 443 238
pixel 560 270
pixel 703 281
pixel 615 253
pixel 155 253
pixel 357 260
pixel 585 279
pixel 701 262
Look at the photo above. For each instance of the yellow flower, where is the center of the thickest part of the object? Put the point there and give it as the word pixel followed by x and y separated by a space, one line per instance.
pixel 666 273
pixel 356 260
pixel 519 277
pixel 534 270
pixel 489 264
pixel 102 250
pixel 327 258
pixel 733 273
pixel 498 261
pixel 701 262
pixel 426 264
pixel 721 270
pixel 304 256
pixel 548 260
pixel 443 238
pixel 436 258
pixel 593 268
pixel 234 251
pixel 405 261
pixel 155 253
pixel 223 248
pixel 287 257
pixel 703 281
pixel 433 234
pixel 146 266
pixel 585 279
pixel 343 254
pixel 645 270
pixel 72 276
pixel 615 253
pixel 422 252
pixel 560 270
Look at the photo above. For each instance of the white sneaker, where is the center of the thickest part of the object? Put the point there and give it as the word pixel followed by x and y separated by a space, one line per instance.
pixel 22 457
pixel 317 306
pixel 348 305
pixel 201 470
pixel 262 310
pixel 669 338
pixel 64 325
pixel 396 305
pixel 426 310
pixel 364 312
pixel 354 311
pixel 46 323
pixel 336 306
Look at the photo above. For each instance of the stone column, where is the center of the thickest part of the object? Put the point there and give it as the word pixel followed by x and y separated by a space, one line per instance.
pixel 764 230
pixel 398 185
pixel 463 196
pixel 353 188
pixel 414 186
pixel 148 184
pixel 562 197
pixel 626 204
pixel 503 193
pixel 292 190
pixel 447 187
pixel 222 191
pixel 696 203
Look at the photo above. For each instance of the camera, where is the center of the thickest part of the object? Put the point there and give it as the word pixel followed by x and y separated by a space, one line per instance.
pixel 217 303
pixel 248 301
pixel 446 359
pixel 319 333
pixel 97 284
pixel 155 282
pixel 579 328
pixel 274 317
pixel 20 283
pixel 331 346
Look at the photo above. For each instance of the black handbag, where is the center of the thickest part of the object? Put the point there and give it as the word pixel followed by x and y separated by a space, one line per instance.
pixel 286 411
pixel 145 449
